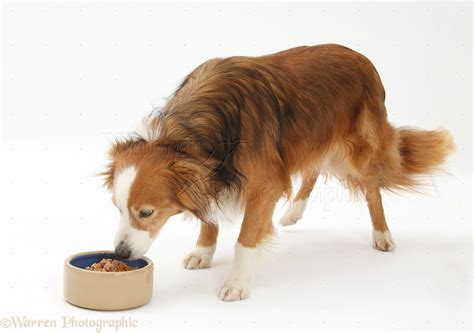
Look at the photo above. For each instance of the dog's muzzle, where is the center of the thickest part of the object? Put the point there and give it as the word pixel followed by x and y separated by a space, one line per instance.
pixel 122 251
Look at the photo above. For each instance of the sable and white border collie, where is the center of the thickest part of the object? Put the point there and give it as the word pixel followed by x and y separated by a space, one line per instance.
pixel 245 125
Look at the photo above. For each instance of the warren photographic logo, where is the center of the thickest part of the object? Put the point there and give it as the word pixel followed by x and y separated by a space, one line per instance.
pixel 64 322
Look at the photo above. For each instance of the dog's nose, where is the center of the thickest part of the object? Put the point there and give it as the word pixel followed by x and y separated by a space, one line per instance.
pixel 122 251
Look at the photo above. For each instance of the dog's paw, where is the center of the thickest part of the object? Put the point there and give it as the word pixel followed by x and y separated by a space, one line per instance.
pixel 293 213
pixel 382 241
pixel 288 219
pixel 234 291
pixel 201 257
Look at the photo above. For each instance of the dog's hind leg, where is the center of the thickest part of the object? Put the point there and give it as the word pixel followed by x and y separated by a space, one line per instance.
pixel 201 256
pixel 297 205
pixel 382 238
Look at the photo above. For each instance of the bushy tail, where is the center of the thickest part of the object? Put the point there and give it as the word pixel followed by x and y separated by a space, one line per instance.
pixel 422 153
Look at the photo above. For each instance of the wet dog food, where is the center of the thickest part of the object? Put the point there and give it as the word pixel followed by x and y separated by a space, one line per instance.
pixel 110 265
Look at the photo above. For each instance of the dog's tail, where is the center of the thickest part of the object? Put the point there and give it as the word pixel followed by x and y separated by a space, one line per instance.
pixel 422 153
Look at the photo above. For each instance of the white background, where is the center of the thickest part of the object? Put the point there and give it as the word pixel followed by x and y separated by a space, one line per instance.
pixel 76 74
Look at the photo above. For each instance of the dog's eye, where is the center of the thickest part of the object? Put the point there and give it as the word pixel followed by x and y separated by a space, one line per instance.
pixel 145 213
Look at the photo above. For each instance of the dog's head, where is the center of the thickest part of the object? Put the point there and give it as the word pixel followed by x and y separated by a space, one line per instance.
pixel 149 185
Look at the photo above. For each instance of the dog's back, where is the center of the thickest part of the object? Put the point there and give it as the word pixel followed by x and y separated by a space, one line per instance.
pixel 317 107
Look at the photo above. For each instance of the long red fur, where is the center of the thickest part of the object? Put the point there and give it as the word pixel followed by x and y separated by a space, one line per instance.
pixel 239 122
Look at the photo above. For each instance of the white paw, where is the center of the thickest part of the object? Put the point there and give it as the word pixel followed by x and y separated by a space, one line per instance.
pixel 383 241
pixel 201 257
pixel 234 290
pixel 293 213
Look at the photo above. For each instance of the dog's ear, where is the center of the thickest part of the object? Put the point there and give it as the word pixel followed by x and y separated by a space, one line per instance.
pixel 118 148
pixel 193 187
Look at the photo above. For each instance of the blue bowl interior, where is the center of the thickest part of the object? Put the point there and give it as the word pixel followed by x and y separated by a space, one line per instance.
pixel 86 260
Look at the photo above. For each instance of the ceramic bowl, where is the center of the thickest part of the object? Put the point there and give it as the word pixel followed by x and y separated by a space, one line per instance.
pixel 107 290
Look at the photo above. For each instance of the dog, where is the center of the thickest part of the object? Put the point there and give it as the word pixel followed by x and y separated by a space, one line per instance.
pixel 241 127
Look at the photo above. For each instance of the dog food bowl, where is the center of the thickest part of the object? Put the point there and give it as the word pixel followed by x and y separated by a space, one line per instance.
pixel 107 290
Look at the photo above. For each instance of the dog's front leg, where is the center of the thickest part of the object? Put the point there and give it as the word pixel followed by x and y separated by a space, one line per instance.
pixel 201 256
pixel 256 227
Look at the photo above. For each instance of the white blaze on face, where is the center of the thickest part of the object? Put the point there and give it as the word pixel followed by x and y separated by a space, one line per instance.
pixel 137 240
